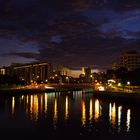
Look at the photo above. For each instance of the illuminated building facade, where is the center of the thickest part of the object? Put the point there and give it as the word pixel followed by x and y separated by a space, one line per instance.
pixel 130 60
pixel 37 72
pixel 2 71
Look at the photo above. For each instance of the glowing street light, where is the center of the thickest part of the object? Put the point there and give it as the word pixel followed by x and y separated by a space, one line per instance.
pixel 128 83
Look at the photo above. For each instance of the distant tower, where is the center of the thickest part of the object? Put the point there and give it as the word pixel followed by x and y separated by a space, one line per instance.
pixel 2 71
pixel 83 71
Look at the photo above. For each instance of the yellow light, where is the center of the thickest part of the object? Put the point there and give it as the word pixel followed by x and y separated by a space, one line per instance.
pixel 13 105
pixel 112 114
pixel 97 84
pixel 110 84
pixel 119 84
pixel 46 103
pixel 27 99
pixel 22 97
pixel 41 103
pixel 67 77
pixel 83 70
pixel 97 110
pixel 83 119
pixel 66 108
pixel 91 111
pixel 55 112
pixel 34 109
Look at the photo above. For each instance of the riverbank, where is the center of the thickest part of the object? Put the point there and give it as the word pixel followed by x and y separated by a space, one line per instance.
pixel 118 95
pixel 134 97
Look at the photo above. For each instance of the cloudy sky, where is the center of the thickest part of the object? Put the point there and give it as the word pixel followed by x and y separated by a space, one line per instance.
pixel 70 32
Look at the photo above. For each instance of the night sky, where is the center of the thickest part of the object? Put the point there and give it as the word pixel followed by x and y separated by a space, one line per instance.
pixel 68 32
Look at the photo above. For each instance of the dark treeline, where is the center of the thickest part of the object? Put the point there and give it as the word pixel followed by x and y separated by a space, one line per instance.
pixel 10 80
pixel 123 75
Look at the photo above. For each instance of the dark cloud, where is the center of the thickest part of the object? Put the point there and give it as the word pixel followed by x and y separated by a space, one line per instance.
pixel 62 32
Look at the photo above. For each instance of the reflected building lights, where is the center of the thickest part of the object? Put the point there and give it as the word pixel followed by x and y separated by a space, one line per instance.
pixel 22 97
pixel 55 112
pixel 66 108
pixel 128 120
pixel 110 111
pixel 90 111
pixel 13 105
pixel 119 117
pixel 46 103
pixel 83 119
pixel 112 114
pixel 97 110
pixel 41 103
pixel 34 107
pixel 27 101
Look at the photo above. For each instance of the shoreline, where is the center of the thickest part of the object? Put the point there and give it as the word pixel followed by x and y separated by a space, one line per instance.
pixel 132 96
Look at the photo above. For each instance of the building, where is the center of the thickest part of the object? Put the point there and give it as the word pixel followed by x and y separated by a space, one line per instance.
pixel 62 70
pixel 2 71
pixel 130 60
pixel 36 72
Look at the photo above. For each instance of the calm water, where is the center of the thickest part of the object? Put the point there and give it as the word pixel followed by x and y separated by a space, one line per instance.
pixel 67 116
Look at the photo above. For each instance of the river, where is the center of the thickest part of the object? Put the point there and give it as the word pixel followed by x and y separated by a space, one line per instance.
pixel 67 115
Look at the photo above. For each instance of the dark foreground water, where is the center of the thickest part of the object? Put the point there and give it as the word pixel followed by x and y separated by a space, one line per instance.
pixel 71 115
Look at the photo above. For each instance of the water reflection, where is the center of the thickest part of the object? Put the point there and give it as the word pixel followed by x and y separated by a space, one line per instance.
pixel 55 112
pixel 91 111
pixel 66 108
pixel 13 105
pixel 119 118
pixel 113 115
pixel 83 119
pixel 34 107
pixel 46 103
pixel 128 120
pixel 97 110
pixel 77 107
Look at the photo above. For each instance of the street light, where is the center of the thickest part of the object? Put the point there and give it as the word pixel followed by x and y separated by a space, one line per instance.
pixel 128 83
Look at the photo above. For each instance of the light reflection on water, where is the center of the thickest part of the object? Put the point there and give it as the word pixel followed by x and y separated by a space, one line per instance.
pixel 55 113
pixel 13 105
pixel 91 111
pixel 119 118
pixel 128 121
pixel 97 110
pixel 87 110
pixel 66 108
pixel 83 119
pixel 112 114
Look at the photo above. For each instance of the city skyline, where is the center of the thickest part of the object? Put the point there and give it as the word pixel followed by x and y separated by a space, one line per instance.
pixel 82 33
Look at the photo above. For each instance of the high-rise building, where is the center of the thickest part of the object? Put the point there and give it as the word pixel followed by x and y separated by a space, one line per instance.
pixel 130 60
pixel 38 72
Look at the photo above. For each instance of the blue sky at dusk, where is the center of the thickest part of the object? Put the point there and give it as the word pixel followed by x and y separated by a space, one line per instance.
pixel 72 33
